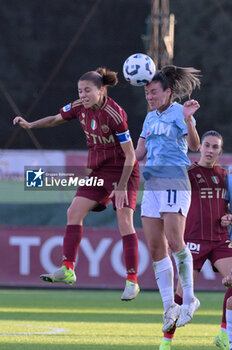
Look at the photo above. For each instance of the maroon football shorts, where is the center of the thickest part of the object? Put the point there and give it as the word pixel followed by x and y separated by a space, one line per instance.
pixel 212 250
pixel 111 177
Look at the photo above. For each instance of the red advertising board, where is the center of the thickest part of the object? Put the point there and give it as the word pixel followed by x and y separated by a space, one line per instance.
pixel 26 252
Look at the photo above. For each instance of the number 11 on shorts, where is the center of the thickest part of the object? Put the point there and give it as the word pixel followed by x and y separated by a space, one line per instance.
pixel 171 197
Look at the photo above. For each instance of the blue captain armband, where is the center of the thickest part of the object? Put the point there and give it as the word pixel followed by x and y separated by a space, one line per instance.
pixel 124 136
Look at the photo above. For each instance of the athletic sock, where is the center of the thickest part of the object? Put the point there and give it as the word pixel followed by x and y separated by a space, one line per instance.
pixel 164 278
pixel 68 264
pixel 168 337
pixel 72 239
pixel 132 277
pixel 184 264
pixel 227 295
pixel 131 257
pixel 229 325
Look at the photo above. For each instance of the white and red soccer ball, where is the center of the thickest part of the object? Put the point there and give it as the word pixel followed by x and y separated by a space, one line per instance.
pixel 139 69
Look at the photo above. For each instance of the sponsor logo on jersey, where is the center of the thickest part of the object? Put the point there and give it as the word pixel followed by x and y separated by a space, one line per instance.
pixel 215 179
pixel 105 128
pixel 217 193
pixel 160 128
pixel 93 124
pixel 99 139
pixel 67 107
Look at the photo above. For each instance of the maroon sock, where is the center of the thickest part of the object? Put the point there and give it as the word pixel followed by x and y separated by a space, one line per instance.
pixel 131 257
pixel 170 333
pixel 228 294
pixel 69 264
pixel 72 240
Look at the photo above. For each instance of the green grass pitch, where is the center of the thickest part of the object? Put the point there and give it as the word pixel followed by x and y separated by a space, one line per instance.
pixel 12 191
pixel 98 320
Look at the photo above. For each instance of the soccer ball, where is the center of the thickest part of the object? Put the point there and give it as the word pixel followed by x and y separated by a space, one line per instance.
pixel 139 69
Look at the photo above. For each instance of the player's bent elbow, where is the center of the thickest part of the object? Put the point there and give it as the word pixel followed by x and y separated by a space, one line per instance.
pixel 194 148
pixel 139 156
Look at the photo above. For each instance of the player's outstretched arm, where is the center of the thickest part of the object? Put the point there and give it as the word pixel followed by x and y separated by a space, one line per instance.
pixel 120 192
pixel 46 122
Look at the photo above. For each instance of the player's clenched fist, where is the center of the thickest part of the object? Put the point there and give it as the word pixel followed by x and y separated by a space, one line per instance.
pixel 189 108
pixel 22 122
pixel 226 220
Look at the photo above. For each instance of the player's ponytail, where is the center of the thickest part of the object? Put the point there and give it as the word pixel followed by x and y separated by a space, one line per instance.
pixel 101 77
pixel 109 78
pixel 181 81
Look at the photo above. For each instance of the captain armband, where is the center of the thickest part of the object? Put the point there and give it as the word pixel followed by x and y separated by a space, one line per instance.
pixel 124 136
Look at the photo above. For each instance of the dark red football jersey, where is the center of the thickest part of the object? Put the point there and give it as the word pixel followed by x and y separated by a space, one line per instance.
pixel 208 204
pixel 100 127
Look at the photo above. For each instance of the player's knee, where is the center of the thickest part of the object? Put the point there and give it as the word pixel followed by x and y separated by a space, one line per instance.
pixel 74 216
pixel 125 223
pixel 126 228
pixel 176 245
pixel 69 212
pixel 158 248
pixel 229 303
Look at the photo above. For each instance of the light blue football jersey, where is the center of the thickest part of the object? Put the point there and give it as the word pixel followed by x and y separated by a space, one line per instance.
pixel 229 190
pixel 166 144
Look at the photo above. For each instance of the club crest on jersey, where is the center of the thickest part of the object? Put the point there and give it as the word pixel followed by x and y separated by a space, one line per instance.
pixel 67 107
pixel 215 179
pixel 105 128
pixel 93 124
pixel 198 175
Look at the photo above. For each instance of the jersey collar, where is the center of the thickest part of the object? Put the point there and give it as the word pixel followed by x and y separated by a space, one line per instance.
pixel 159 114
